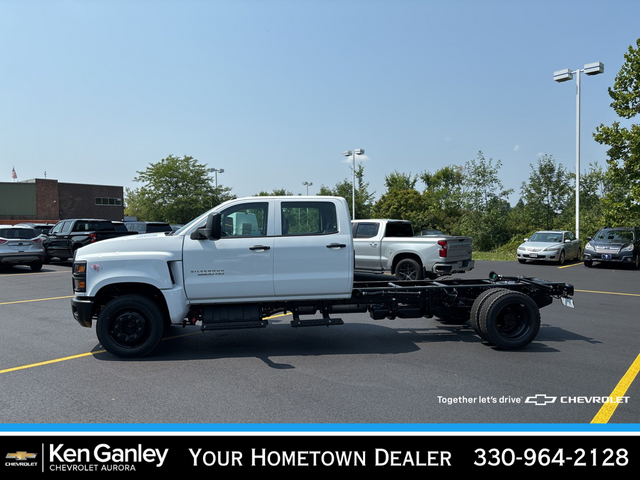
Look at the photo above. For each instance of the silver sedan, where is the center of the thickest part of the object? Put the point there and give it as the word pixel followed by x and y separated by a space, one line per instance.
pixel 550 246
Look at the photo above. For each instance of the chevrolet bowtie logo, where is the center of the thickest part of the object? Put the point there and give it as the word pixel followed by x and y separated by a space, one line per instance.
pixel 540 399
pixel 21 455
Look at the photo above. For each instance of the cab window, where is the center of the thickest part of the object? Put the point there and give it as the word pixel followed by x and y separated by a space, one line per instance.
pixel 245 220
pixel 308 218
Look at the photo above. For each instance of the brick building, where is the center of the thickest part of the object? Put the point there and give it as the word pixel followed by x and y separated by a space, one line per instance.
pixel 47 201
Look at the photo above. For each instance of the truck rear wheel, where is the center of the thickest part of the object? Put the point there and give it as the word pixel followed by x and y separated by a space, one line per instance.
pixel 409 269
pixel 474 316
pixel 130 326
pixel 509 320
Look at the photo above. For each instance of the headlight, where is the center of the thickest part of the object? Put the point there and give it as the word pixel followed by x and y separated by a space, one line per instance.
pixel 553 248
pixel 521 247
pixel 588 246
pixel 628 248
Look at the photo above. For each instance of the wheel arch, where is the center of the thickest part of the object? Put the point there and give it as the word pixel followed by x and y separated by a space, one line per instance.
pixel 404 255
pixel 109 292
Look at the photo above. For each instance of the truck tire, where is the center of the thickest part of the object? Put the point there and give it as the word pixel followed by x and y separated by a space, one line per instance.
pixel 509 320
pixel 409 269
pixel 474 316
pixel 130 326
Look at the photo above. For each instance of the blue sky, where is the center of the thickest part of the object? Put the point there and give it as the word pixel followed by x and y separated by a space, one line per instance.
pixel 274 91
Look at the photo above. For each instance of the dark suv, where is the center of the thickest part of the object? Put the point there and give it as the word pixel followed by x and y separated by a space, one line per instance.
pixel 614 244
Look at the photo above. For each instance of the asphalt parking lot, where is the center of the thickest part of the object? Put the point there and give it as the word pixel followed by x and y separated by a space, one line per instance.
pixel 402 372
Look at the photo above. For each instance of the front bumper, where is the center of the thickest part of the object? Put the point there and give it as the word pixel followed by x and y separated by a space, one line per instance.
pixel 551 256
pixel 82 309
pixel 624 257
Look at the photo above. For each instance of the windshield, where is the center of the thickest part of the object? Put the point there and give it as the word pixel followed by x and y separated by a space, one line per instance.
pixel 614 236
pixel 546 237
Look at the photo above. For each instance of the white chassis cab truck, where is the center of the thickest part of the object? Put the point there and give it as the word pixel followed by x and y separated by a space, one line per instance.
pixel 289 254
pixel 390 246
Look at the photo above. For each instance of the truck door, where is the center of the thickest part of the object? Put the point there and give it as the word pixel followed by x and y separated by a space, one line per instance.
pixel 312 256
pixel 238 266
pixel 367 244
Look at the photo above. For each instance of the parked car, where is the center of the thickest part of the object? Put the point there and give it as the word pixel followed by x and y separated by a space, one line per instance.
pixel 383 245
pixel 148 227
pixel 68 235
pixel 550 246
pixel 40 228
pixel 21 246
pixel 615 245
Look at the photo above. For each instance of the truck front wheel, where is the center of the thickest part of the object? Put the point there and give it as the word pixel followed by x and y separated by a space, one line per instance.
pixel 509 320
pixel 130 326
pixel 409 269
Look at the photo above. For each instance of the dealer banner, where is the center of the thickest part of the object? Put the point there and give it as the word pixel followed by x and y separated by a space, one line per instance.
pixel 196 455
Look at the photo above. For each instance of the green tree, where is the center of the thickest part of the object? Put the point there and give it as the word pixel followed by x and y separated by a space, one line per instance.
pixel 485 203
pixel 442 199
pixel 364 199
pixel 546 193
pixel 175 190
pixel 622 200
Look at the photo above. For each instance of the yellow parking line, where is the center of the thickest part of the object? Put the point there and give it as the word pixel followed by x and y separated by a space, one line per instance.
pixel 572 265
pixel 607 409
pixel 610 293
pixel 87 354
pixel 35 300
pixel 33 273
pixel 48 362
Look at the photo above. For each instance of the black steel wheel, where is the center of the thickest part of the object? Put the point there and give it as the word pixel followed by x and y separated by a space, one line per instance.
pixel 130 326
pixel 509 320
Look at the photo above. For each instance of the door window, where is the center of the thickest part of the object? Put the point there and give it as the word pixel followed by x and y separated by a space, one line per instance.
pixel 245 220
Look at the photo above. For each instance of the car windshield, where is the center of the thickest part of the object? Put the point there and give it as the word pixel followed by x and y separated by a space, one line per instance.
pixel 22 233
pixel 614 236
pixel 546 237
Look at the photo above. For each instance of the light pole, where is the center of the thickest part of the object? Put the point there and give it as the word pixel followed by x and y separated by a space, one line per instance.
pixel 216 171
pixel 564 76
pixel 308 184
pixel 349 153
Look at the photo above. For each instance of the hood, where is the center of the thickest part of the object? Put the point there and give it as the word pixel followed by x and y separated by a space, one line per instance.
pixel 145 245
pixel 540 245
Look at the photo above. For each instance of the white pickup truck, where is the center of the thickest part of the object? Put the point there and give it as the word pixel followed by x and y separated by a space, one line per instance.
pixel 250 258
pixel 390 246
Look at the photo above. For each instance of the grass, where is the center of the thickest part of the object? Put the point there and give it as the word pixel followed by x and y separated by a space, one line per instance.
pixel 495 256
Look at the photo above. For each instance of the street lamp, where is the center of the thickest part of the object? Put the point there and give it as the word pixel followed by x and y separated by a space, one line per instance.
pixel 564 76
pixel 350 153
pixel 308 184
pixel 216 172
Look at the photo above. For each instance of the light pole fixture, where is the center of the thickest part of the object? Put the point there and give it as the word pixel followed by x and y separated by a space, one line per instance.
pixel 216 171
pixel 564 76
pixel 353 153
pixel 307 184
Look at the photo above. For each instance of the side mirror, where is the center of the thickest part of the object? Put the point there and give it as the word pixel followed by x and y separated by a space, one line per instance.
pixel 212 229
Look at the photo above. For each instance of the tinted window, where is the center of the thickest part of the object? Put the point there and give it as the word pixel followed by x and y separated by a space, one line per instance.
pixel 22 233
pixel 397 229
pixel 366 230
